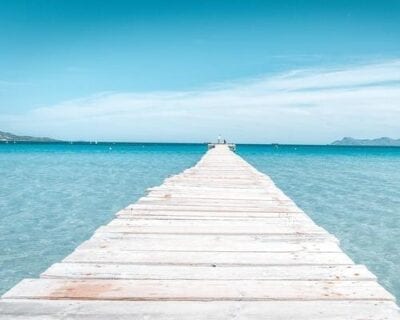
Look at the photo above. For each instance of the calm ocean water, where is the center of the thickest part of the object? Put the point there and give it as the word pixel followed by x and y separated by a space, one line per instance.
pixel 53 196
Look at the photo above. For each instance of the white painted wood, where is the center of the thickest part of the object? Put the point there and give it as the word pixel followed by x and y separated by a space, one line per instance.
pixel 218 208
pixel 227 219
pixel 211 227
pixel 217 230
pixel 227 223
pixel 198 290
pixel 205 199
pixel 196 310
pixel 207 258
pixel 216 243
pixel 211 238
pixel 198 213
pixel 184 272
pixel 231 190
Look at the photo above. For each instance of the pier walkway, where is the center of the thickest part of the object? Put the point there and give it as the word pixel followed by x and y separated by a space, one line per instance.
pixel 218 241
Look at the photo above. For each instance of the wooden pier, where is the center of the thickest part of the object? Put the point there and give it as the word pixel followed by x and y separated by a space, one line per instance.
pixel 231 146
pixel 218 241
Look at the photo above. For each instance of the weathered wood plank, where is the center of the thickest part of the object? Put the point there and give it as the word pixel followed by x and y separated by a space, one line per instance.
pixel 217 310
pixel 216 243
pixel 214 208
pixel 275 200
pixel 223 194
pixel 203 230
pixel 297 237
pixel 154 272
pixel 222 218
pixel 233 190
pixel 207 258
pixel 246 223
pixel 211 227
pixel 197 290
pixel 266 214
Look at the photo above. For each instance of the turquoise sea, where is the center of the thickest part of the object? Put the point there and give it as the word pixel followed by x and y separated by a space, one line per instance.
pixel 53 196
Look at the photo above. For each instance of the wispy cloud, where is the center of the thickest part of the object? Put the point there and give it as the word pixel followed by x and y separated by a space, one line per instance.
pixel 312 105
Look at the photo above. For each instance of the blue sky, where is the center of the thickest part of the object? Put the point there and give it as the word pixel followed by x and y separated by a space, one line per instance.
pixel 253 71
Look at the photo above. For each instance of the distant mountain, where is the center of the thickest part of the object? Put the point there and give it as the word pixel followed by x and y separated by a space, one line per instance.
pixel 6 136
pixel 384 141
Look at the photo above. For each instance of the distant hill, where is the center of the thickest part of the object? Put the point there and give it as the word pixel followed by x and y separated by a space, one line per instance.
pixel 6 136
pixel 384 141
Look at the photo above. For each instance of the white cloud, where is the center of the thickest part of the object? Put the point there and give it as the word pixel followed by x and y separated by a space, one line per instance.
pixel 300 106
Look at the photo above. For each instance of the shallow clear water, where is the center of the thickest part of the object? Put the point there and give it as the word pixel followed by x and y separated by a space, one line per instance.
pixel 353 192
pixel 52 197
